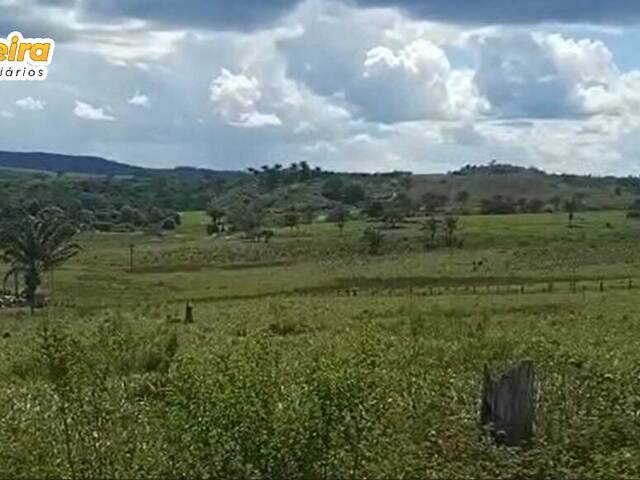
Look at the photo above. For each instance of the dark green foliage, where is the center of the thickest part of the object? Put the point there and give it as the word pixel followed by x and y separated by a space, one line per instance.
pixel 373 237
pixel 498 205
pixel 245 215
pixel 339 216
pixel 634 209
pixel 37 244
pixel 291 218
pixel 340 191
pixel 433 202
pixel 168 224
pixel 374 209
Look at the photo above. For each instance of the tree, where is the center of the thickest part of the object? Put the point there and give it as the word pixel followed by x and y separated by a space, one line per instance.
pixel 373 237
pixel 169 224
pixel 535 205
pixel 498 205
pixel 634 209
pixel 291 218
pixel 462 197
pixel 308 212
pixel 338 216
pixel 129 214
pixel 245 216
pixel 35 245
pixel 571 206
pixel 433 201
pixel 374 209
pixel 556 201
pixel 305 171
pixel 216 214
pixel 397 209
pixel 431 231
pixel 332 189
pixel 450 228
pixel 393 214
pixel 353 194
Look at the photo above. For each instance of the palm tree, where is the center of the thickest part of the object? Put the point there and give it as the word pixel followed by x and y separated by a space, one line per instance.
pixel 36 245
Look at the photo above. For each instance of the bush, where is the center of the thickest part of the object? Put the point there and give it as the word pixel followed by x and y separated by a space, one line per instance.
pixel 498 205
pixel 373 237
pixel 104 226
pixel 212 229
pixel 169 224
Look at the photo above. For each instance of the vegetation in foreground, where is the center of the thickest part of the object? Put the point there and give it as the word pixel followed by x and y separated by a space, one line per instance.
pixel 312 358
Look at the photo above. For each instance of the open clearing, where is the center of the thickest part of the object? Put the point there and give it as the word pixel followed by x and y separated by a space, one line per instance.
pixel 309 361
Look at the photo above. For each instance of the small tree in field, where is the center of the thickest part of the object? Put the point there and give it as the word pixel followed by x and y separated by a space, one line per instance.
pixel 291 218
pixel 374 238
pixel 216 214
pixel 338 216
pixel 430 228
pixel 450 228
pixel 572 207
pixel 35 245
pixel 462 197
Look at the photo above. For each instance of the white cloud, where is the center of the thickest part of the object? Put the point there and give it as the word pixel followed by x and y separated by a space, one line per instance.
pixel 30 104
pixel 539 75
pixel 139 100
pixel 348 88
pixel 89 112
pixel 236 98
pixel 6 114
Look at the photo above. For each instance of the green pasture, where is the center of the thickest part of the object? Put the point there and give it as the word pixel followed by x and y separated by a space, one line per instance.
pixel 309 358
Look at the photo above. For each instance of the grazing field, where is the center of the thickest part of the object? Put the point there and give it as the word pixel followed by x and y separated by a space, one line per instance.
pixel 309 358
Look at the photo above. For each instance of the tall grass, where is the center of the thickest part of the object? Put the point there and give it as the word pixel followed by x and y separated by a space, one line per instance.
pixel 112 397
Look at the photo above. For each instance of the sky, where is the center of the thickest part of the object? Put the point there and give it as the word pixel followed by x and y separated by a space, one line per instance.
pixel 350 85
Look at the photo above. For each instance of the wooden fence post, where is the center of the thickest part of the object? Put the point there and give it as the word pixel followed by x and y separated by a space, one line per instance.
pixel 508 406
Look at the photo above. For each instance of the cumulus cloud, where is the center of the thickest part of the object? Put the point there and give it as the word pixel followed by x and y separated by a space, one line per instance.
pixel 212 14
pixel 30 104
pixel 89 112
pixel 415 82
pixel 236 97
pixel 517 12
pixel 387 68
pixel 409 86
pixel 257 14
pixel 139 100
pixel 547 76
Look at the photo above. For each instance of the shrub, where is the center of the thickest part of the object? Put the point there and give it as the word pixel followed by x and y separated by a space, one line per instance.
pixel 169 224
pixel 373 237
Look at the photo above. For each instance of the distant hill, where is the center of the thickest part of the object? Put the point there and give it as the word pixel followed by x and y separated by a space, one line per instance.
pixel 466 189
pixel 486 181
pixel 87 165
pixel 52 162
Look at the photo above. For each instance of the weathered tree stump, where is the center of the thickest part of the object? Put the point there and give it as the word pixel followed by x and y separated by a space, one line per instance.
pixel 508 406
pixel 188 314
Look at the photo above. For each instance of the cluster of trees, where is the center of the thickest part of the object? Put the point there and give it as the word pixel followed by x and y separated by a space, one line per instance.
pixel 439 232
pixel 339 190
pixel 244 214
pixel 271 177
pixel 495 168
pixel 634 209
pixel 99 204
pixel 503 205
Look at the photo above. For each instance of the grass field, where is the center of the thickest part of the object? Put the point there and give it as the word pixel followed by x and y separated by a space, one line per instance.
pixel 309 358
